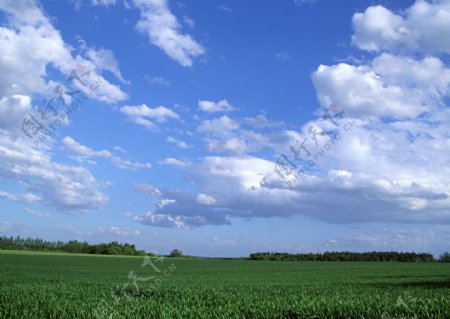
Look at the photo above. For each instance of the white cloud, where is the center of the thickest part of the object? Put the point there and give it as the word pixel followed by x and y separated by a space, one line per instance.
pixel 224 8
pixel 64 187
pixel 119 231
pixel 119 149
pixel 142 114
pixel 283 56
pixel 105 60
pixel 127 164
pixel 261 121
pixel 26 198
pixel 60 186
pixel 411 73
pixel 13 110
pixel 178 143
pixel 161 220
pixel 360 91
pixel 78 148
pixel 422 28
pixel 148 189
pixel 385 172
pixel 165 201
pixel 35 213
pixel 218 125
pixel 211 107
pixel 205 199
pixel 158 80
pixel 29 44
pixel 225 134
pixel 103 2
pixel 163 30
pixel 301 3
pixel 188 21
pixel 233 145
pixel 174 162
pixel 224 181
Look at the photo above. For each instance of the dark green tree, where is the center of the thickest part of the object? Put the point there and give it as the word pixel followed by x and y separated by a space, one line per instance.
pixel 176 253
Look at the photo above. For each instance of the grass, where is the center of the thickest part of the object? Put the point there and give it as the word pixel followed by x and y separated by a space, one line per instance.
pixel 37 285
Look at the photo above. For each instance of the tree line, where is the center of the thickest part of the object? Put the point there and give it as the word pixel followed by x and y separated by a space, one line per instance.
pixel 72 246
pixel 351 256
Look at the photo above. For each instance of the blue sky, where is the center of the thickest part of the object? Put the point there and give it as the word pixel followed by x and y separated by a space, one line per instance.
pixel 227 127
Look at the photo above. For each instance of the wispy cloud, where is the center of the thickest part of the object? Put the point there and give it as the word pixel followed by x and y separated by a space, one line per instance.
pixel 163 30
pixel 119 231
pixel 178 143
pixel 119 162
pixel 283 56
pixel 26 198
pixel 157 80
pixel 145 116
pixel 36 213
pixel 224 8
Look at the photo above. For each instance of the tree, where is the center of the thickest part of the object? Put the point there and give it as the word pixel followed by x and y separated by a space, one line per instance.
pixel 176 253
pixel 445 258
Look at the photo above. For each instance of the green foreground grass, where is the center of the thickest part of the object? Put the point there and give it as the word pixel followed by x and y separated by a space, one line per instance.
pixel 39 285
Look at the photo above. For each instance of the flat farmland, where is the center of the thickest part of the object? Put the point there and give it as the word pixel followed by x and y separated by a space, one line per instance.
pixel 39 285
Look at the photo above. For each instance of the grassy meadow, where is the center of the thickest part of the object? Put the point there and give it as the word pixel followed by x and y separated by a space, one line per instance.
pixel 50 285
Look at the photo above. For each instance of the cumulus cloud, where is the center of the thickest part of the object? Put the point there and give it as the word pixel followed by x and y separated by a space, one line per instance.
pixel 376 151
pixel 360 91
pixel 211 107
pixel 30 43
pixel 248 187
pixel 210 206
pixel 423 27
pixel 410 73
pixel 59 186
pixel 384 171
pixel 119 162
pixel 13 110
pixel 241 136
pixel 144 115
pixel 218 125
pixel 163 30
pixel 63 187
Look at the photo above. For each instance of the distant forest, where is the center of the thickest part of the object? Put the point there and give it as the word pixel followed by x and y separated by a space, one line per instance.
pixel 72 246
pixel 115 248
pixel 351 256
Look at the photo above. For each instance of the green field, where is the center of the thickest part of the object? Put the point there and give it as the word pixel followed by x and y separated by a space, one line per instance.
pixel 36 285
